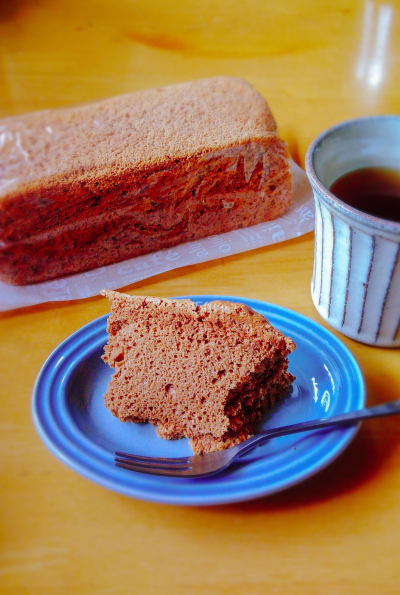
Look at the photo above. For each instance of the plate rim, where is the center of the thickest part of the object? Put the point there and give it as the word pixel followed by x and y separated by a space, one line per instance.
pixel 179 498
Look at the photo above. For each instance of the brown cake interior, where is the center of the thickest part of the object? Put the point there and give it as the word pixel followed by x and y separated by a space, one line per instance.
pixel 205 372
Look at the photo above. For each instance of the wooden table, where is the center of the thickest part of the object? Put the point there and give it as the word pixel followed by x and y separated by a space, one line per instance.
pixel 317 63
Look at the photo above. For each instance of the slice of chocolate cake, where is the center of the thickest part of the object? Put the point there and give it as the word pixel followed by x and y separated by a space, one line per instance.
pixel 206 372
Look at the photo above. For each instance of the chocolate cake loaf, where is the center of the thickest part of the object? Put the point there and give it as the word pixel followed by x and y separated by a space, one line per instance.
pixel 206 372
pixel 87 186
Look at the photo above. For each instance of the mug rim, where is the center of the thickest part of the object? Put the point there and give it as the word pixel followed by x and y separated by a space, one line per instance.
pixel 359 216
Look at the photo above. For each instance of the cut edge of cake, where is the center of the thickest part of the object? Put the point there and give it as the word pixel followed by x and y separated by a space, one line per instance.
pixel 205 372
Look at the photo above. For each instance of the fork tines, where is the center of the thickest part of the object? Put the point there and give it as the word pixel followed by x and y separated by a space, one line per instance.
pixel 152 465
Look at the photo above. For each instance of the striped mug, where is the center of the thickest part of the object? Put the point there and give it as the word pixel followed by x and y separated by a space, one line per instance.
pixel 356 278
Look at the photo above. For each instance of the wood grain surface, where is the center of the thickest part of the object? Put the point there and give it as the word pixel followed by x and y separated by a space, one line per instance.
pixel 317 63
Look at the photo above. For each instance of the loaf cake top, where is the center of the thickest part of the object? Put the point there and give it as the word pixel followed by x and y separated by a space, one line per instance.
pixel 133 130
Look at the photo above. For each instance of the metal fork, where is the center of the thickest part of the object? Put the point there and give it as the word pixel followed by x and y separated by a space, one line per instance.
pixel 214 462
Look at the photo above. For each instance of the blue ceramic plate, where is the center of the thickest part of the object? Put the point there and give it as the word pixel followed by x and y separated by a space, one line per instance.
pixel 71 419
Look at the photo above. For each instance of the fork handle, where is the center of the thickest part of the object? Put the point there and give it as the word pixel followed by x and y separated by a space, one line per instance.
pixel 391 408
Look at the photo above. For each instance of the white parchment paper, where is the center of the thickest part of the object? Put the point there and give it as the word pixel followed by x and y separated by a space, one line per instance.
pixel 298 220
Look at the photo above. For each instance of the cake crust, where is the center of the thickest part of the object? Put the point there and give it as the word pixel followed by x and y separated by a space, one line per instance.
pixel 87 186
pixel 205 372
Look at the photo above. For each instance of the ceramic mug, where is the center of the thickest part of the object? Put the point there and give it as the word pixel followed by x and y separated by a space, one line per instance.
pixel 356 278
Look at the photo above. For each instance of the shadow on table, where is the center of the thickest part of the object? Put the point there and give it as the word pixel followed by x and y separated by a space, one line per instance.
pixel 9 8
pixel 359 464
pixel 367 456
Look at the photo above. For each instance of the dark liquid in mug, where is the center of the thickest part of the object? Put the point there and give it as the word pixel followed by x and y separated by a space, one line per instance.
pixel 372 190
